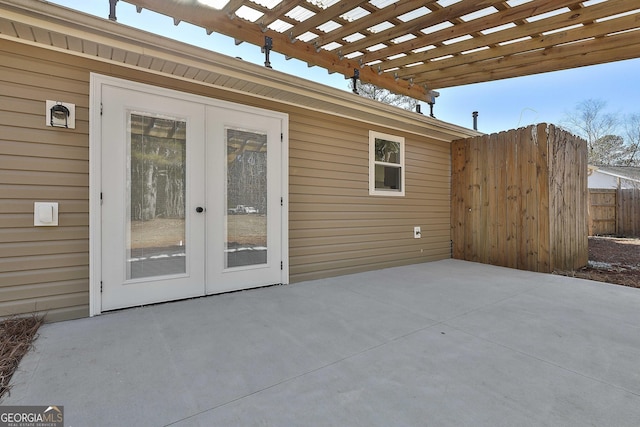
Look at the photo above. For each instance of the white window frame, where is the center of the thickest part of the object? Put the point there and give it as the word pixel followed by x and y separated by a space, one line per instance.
pixel 373 191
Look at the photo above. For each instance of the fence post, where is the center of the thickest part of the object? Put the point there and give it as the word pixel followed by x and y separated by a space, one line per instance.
pixel 619 209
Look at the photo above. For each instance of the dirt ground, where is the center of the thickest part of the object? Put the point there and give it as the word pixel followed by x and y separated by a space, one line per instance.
pixel 613 260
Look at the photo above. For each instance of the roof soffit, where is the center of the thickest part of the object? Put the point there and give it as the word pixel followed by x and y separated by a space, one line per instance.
pixel 57 28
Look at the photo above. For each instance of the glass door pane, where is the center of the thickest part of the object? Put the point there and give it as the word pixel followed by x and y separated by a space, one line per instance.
pixel 156 235
pixel 246 198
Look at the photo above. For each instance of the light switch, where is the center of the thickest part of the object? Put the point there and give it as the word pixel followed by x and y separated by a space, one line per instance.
pixel 45 214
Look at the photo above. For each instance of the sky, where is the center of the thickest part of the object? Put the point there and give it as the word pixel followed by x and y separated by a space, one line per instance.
pixel 501 105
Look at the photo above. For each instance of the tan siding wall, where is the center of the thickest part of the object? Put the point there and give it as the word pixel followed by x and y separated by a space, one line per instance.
pixel 335 226
pixel 42 269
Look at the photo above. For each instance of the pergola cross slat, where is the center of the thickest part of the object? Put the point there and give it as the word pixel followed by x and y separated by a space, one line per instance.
pixel 437 37
pixel 533 30
pixel 411 47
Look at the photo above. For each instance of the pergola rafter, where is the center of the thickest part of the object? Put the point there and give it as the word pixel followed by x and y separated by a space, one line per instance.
pixel 411 47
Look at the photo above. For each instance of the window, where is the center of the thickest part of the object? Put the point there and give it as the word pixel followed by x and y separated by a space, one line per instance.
pixel 386 164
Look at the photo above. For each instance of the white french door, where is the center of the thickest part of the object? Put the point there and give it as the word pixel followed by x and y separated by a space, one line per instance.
pixel 244 238
pixel 191 196
pixel 152 167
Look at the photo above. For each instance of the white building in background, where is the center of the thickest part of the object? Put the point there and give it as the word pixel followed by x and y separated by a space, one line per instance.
pixel 613 177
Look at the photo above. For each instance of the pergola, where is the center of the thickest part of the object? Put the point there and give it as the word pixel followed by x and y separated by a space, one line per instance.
pixel 413 47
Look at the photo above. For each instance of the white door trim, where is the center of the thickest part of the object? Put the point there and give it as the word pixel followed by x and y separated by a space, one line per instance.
pixel 97 81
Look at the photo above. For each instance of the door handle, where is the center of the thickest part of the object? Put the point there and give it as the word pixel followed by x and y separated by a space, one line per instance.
pixel 199 209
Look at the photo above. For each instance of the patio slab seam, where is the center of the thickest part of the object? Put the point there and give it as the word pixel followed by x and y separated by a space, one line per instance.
pixel 167 347
pixel 435 324
pixel 295 377
pixel 312 371
pixel 545 348
pixel 538 358
pixel 530 289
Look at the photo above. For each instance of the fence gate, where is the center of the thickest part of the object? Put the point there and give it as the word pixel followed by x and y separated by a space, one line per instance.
pixel 602 211
pixel 519 199
pixel 614 212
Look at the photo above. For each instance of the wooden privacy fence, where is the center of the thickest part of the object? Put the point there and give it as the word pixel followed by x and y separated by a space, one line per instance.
pixel 519 199
pixel 614 212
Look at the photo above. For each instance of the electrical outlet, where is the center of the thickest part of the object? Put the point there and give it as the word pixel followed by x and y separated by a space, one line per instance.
pixel 417 233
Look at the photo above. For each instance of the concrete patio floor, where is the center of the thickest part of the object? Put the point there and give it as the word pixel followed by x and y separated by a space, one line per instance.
pixel 448 343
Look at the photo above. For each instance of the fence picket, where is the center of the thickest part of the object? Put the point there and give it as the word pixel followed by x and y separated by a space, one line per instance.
pixel 614 212
pixel 525 200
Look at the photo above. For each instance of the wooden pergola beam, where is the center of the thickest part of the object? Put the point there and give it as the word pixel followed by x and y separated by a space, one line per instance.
pixel 464 52
pixel 544 42
pixel 597 51
pixel 415 25
pixel 495 20
pixel 361 25
pixel 280 10
pixel 240 29
pixel 324 16
pixel 563 20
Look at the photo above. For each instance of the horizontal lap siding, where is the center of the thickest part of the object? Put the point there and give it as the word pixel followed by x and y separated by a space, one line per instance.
pixel 335 226
pixel 43 269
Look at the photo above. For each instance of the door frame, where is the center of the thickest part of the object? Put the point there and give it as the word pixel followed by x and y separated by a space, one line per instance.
pixel 96 82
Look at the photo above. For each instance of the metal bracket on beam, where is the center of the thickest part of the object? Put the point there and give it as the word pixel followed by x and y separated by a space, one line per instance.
pixel 354 80
pixel 431 100
pixel 112 10
pixel 268 45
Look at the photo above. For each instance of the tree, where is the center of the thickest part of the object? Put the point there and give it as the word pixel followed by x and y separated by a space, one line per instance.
pixel 372 91
pixel 632 134
pixel 157 169
pixel 589 121
pixel 611 150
